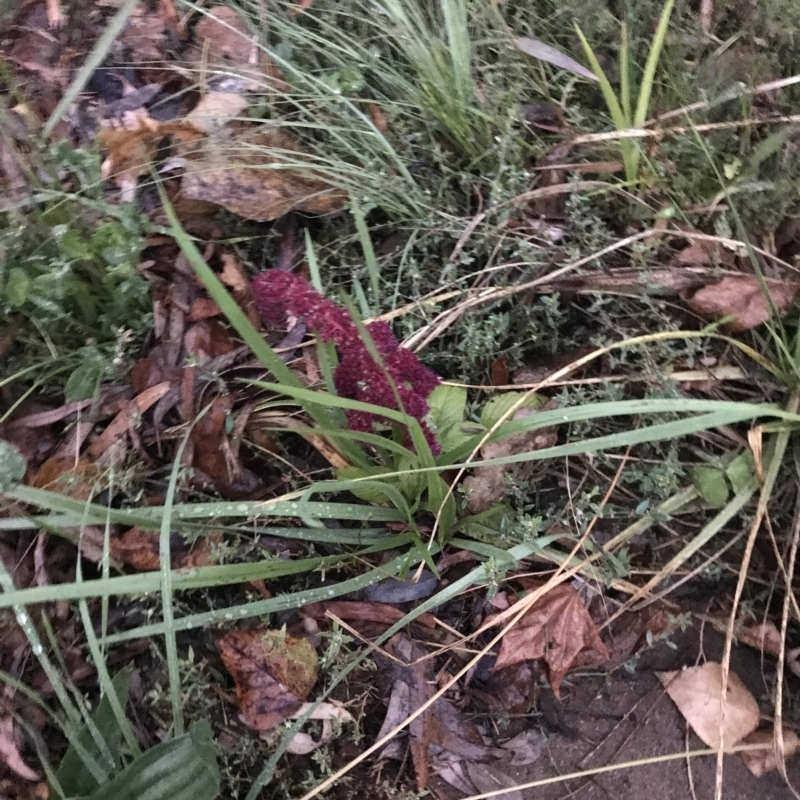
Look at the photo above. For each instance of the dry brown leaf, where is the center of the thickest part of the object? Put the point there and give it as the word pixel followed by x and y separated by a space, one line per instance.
pixel 764 636
pixel 742 298
pixel 145 36
pixel 440 727
pixel 766 760
pixel 75 478
pixel 487 485
pixel 556 628
pixel 252 183
pixel 128 418
pixel 697 691
pixel 381 613
pixel 233 277
pixel 129 155
pixel 273 671
pixel 141 550
pixel 702 252
pixel 378 117
pixel 215 109
pixel 224 43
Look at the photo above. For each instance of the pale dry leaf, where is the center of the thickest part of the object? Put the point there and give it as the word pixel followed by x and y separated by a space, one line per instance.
pixel 764 637
pixel 742 298
pixel 697 692
pixel 536 48
pixel 793 661
pixel 215 109
pixel 525 748
pixel 328 713
pixel 766 760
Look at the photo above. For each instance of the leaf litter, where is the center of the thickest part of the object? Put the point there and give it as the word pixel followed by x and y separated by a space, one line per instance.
pixel 218 159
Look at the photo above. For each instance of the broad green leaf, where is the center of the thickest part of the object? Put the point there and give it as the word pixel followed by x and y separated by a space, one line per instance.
pixel 12 466
pixel 184 768
pixel 741 470
pixel 82 383
pixel 711 485
pixel 457 434
pixel 412 482
pixel 497 407
pixel 447 404
pixel 73 775
pixel 18 287
pixel 366 491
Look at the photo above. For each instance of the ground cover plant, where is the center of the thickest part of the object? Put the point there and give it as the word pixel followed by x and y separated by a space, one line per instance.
pixel 379 374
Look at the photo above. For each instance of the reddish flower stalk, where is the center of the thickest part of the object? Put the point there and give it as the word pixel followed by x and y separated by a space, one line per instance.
pixel 358 376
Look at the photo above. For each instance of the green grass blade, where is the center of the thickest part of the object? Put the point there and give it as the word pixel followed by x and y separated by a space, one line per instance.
pixel 371 261
pixel 621 122
pixel 165 574
pixel 283 602
pixel 625 73
pixel 648 76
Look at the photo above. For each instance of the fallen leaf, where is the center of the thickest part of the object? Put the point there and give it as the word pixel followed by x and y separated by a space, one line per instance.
pixel 208 339
pixel 556 628
pixel 766 760
pixel 252 178
pixel 145 37
pixel 378 117
pixel 487 485
pixel 75 478
pixel 328 713
pixel 697 691
pixel 440 727
pixel 141 550
pixel 498 372
pixel 9 753
pixel 742 298
pixel 525 748
pixel 491 778
pixel 536 48
pixel 129 155
pixel 763 636
pixel 234 278
pixel 128 418
pixel 224 43
pixel 347 610
pixel 273 672
pixel 215 109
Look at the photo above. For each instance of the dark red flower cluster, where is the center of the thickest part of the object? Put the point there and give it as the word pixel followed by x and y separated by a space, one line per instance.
pixel 279 293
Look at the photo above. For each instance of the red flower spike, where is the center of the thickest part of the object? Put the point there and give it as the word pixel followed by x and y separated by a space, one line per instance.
pixel 279 293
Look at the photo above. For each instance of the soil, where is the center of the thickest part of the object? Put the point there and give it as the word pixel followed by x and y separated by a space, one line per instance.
pixel 626 716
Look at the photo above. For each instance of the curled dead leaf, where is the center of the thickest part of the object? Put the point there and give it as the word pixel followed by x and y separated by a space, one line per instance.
pixel 742 297
pixel 766 760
